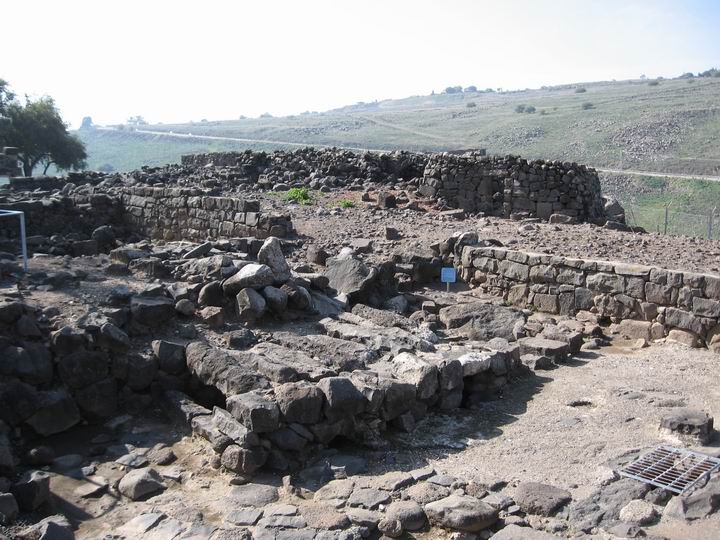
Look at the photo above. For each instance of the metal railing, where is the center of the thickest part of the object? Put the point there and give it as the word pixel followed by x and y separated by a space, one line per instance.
pixel 666 220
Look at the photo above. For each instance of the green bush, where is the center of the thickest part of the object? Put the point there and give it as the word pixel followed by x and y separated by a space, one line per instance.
pixel 580 90
pixel 530 109
pixel 298 195
pixel 471 104
pixel 587 106
pixel 543 112
pixel 520 108
pixel 653 83
pixel 345 203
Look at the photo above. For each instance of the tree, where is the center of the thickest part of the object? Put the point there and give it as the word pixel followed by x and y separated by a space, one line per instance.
pixel 6 97
pixel 41 136
pixel 87 123
pixel 471 88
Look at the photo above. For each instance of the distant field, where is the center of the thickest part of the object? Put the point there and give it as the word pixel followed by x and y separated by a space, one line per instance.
pixel 673 126
pixel 126 151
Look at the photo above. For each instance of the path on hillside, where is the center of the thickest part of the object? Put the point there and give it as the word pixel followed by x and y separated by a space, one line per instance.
pixel 630 172
pixel 681 176
pixel 405 129
pixel 244 140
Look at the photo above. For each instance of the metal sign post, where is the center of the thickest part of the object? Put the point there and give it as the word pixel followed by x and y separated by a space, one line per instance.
pixel 23 242
pixel 448 275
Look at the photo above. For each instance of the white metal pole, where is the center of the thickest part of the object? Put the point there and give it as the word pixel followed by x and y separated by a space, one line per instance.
pixel 22 239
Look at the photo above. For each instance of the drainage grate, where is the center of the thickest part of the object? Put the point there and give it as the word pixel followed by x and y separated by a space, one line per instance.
pixel 673 469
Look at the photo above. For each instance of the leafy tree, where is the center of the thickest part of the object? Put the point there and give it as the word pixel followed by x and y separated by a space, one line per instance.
pixel 41 136
pixel 87 123
pixel 6 97
pixel 471 88
pixel 453 90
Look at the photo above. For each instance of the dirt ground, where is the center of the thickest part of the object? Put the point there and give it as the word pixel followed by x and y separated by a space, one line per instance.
pixel 324 222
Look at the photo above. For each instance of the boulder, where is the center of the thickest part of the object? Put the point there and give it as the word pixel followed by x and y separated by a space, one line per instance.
pixel 482 321
pixel 409 513
pixel 211 295
pixel 542 499
pixel 271 254
pixel 254 411
pixel 252 275
pixel 170 356
pixel 140 483
pixel 277 299
pixel 243 460
pixel 462 513
pixel 32 490
pixel 300 402
pixel 342 398
pixel 688 426
pixel 56 413
pixel 152 311
pixel 83 368
pixel 8 508
pixel 250 305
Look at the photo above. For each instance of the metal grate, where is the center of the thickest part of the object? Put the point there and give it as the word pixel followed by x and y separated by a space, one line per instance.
pixel 673 469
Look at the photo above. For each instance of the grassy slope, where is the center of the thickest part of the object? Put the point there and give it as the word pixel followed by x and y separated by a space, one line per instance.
pixel 671 127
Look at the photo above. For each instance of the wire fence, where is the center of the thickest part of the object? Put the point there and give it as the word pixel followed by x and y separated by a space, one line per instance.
pixel 665 220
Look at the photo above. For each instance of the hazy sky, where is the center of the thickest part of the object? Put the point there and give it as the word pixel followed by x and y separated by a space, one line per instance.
pixel 180 60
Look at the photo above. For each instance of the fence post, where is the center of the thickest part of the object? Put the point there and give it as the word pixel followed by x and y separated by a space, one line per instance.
pixel 666 218
pixel 710 223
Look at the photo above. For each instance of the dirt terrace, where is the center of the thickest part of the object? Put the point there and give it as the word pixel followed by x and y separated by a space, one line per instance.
pixel 328 224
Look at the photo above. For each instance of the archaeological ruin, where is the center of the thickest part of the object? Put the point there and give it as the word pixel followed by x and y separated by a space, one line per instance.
pixel 257 345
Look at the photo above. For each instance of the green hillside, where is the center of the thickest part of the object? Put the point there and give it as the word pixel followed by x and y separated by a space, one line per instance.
pixel 664 126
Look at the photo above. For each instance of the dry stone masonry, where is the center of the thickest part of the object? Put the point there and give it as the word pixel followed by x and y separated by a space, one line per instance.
pixel 503 186
pixel 651 302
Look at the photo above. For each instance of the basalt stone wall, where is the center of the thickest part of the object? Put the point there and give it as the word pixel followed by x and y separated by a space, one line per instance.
pixel 80 213
pixel 502 186
pixel 167 213
pixel 664 299
pixel 177 213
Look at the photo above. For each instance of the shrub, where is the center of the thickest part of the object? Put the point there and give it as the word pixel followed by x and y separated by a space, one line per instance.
pixel 653 83
pixel 587 106
pixel 530 109
pixel 345 203
pixel 299 195
pixel 543 112
pixel 520 108
pixel 580 90
pixel 471 104
pixel 471 88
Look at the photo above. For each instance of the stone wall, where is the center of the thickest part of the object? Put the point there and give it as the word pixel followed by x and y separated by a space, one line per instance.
pixel 81 213
pixel 167 213
pixel 188 214
pixel 503 186
pixel 666 300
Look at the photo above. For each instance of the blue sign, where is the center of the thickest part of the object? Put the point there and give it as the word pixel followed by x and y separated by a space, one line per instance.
pixel 448 275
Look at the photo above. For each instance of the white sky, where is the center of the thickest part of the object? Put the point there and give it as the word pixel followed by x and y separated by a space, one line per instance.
pixel 175 61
